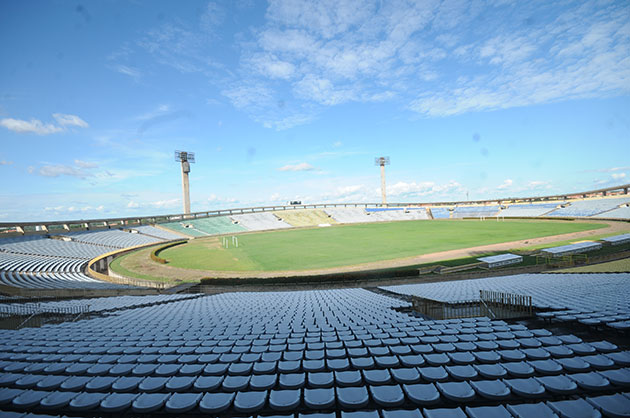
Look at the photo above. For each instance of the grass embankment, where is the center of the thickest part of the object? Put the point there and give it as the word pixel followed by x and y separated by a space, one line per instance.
pixel 344 245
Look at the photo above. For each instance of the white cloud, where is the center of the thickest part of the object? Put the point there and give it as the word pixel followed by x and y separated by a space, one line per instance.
pixel 127 70
pixel 337 144
pixel 36 126
pixel 133 204
pixel 297 167
pixel 58 170
pixel 506 184
pixel 5 162
pixel 428 188
pixel 32 126
pixel 618 176
pixel 70 120
pixel 85 164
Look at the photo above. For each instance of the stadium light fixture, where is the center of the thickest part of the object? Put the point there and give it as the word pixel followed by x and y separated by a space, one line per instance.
pixel 185 158
pixel 382 161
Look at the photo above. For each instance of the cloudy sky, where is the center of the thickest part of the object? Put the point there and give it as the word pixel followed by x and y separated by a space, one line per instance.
pixel 292 100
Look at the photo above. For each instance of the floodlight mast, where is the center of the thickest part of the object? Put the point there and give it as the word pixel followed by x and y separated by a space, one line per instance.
pixel 185 158
pixel 382 161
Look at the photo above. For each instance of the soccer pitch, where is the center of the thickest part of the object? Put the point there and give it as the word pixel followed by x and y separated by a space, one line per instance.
pixel 344 245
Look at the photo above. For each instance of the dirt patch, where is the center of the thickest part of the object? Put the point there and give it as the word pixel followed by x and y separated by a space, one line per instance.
pixel 141 263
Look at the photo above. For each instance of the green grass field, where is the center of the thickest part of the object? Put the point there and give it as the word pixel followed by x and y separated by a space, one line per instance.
pixel 305 249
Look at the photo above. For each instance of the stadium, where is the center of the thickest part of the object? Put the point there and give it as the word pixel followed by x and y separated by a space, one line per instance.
pixel 199 215
pixel 532 317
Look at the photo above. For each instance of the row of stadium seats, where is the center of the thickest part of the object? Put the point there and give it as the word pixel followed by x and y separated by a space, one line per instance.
pixel 311 352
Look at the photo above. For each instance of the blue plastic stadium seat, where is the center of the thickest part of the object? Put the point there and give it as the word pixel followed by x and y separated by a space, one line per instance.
pixel 387 396
pixel 527 388
pixel 406 375
pixel 362 362
pixel 284 400
pixel 490 371
pixel 456 391
pixel 152 384
pixel 590 381
pixel 320 398
pixel 616 405
pixel 422 394
pixel 249 402
pixel 213 403
pixel 356 414
pixel 558 384
pixel 412 360
pixel 207 383
pixel 599 362
pixel 619 377
pixel 462 372
pixel 444 413
pixel 402 413
pixel 574 409
pixel 621 358
pixel 75 383
pixel 263 381
pixel 488 412
pixel 179 383
pixel 519 369
pixel 100 384
pixel 56 400
pixel 546 367
pixel 182 402
pixel 433 374
pixel 511 355
pixel 149 402
pixel 352 397
pixel 348 378
pixel 292 380
pixel 531 410
pixel 462 357
pixel 118 402
pixel 491 389
pixel 377 376
pixel 320 379
pixel 86 401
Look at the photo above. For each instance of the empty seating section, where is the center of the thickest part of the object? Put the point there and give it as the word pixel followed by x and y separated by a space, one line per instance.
pixel 591 299
pixel 40 262
pixel 475 211
pixel 112 238
pixel 619 213
pixel 334 353
pixel 42 246
pixel 348 215
pixel 259 221
pixel 529 209
pixel 397 214
pixel 157 232
pixel 185 227
pixel 306 217
pixel 590 207
pixel 440 212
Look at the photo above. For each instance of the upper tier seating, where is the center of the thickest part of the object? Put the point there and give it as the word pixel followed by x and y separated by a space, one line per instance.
pixel 589 207
pixel 114 238
pixel 619 213
pixel 529 209
pixel 349 215
pixel 475 211
pixel 306 217
pixel 440 212
pixel 157 232
pixel 39 262
pixel 214 225
pixel 41 245
pixel 397 214
pixel 259 221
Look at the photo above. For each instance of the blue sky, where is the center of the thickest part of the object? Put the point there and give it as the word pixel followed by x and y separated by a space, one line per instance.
pixel 292 100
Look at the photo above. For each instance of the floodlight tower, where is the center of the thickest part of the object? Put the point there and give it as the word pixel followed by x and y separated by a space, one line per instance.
pixel 382 161
pixel 185 158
